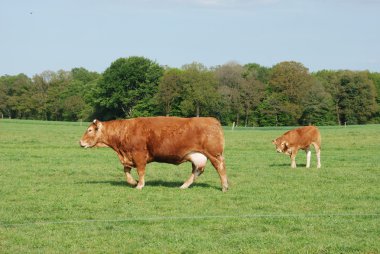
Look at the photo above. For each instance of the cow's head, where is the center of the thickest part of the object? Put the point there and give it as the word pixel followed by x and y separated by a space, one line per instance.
pixel 282 146
pixel 92 136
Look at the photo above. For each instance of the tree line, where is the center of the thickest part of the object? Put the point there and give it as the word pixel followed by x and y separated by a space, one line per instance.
pixel 248 95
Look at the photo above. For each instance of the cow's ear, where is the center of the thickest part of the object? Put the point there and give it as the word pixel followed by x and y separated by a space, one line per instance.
pixel 97 123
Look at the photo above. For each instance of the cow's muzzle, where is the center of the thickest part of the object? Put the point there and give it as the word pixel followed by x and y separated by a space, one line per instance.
pixel 82 144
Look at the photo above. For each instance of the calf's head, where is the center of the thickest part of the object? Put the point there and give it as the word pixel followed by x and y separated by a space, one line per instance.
pixel 282 146
pixel 92 135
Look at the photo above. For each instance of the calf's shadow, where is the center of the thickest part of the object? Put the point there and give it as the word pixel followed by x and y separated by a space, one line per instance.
pixel 284 165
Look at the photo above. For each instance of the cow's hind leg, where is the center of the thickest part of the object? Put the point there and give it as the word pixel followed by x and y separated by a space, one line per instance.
pixel 128 177
pixel 220 166
pixel 308 157
pixel 197 171
pixel 318 152
pixel 198 161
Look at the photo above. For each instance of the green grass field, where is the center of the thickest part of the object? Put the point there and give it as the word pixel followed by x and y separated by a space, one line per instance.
pixel 56 197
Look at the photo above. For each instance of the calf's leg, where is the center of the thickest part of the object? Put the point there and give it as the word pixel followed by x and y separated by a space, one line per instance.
pixel 318 152
pixel 308 157
pixel 293 158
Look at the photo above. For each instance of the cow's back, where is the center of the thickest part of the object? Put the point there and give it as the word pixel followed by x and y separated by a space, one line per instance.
pixel 304 136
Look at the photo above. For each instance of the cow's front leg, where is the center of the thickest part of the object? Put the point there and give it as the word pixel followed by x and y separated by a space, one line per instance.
pixel 293 158
pixel 128 177
pixel 141 173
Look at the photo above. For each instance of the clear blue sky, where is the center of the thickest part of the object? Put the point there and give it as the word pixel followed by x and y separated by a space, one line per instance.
pixel 39 35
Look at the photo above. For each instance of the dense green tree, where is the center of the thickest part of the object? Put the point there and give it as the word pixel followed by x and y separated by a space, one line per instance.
pixel 199 94
pixel 39 89
pixel 291 81
pixel 285 94
pixel 83 75
pixel 79 95
pixel 317 106
pixel 127 88
pixel 230 81
pixel 270 111
pixel 57 94
pixel 169 90
pixel 252 93
pixel 260 73
pixel 353 94
pixel 359 102
pixel 14 96
pixel 241 91
pixel 330 81
pixel 4 108
pixel 375 77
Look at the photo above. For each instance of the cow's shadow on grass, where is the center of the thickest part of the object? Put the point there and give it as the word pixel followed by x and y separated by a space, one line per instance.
pixel 176 184
pixel 114 183
pixel 154 183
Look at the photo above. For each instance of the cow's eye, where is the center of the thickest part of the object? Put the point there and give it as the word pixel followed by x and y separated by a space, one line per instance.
pixel 89 130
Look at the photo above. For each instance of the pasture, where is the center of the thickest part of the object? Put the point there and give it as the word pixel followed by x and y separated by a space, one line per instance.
pixel 57 197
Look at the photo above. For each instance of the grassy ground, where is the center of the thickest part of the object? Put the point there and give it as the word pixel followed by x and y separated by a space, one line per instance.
pixel 56 197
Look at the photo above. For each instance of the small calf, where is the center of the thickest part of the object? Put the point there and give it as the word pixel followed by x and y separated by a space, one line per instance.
pixel 301 138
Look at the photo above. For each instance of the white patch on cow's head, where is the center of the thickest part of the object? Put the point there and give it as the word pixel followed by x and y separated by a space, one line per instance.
pixel 280 145
pixel 91 136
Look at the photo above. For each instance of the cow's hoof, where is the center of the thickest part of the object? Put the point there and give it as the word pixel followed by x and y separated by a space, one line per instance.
pixel 133 184
pixel 184 186
pixel 139 187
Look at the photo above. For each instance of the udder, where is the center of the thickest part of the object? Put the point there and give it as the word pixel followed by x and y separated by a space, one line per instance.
pixel 198 159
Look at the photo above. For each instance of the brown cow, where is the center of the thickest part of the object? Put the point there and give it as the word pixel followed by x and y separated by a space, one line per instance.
pixel 171 140
pixel 301 138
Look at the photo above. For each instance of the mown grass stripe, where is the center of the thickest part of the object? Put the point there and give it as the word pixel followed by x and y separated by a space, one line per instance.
pixel 205 217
